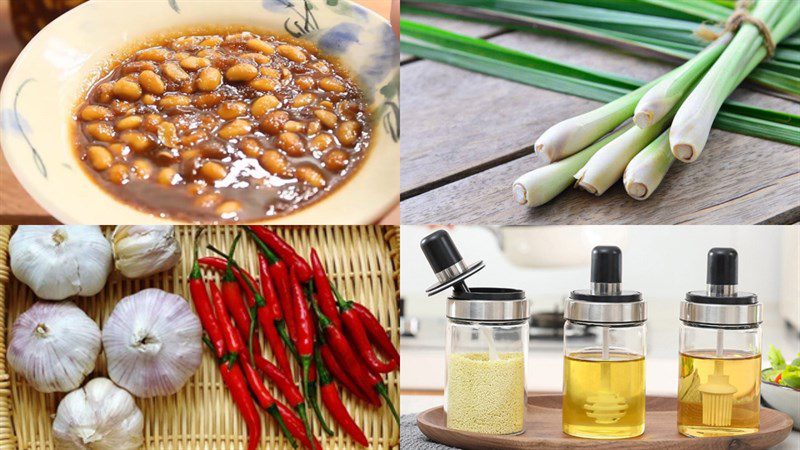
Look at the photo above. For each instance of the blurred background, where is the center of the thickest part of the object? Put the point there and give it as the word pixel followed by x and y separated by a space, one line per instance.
pixel 663 262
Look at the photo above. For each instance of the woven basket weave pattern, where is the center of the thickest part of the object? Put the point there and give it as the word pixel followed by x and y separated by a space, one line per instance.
pixel 363 262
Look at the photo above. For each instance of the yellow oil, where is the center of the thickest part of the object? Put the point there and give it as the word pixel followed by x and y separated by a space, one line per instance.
pixel 611 390
pixel 742 371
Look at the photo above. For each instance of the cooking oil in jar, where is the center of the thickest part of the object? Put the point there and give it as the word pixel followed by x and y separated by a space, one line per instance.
pixel 739 370
pixel 603 398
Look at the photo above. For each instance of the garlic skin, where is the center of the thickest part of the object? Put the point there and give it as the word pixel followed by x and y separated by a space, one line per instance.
pixel 59 261
pixel 152 343
pixel 142 250
pixel 99 416
pixel 54 345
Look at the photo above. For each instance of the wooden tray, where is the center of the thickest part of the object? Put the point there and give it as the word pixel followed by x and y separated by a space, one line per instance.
pixel 543 430
pixel 362 261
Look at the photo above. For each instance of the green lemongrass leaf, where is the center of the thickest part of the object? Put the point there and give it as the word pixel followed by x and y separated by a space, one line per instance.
pixel 574 12
pixel 700 9
pixel 607 165
pixel 733 117
pixel 484 48
pixel 525 75
pixel 543 184
pixel 647 169
pixel 783 83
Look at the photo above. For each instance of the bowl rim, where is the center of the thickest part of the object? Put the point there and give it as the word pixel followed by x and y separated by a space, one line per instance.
pixel 370 216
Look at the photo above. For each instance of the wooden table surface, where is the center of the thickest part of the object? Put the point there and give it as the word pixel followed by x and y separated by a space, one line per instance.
pixel 468 136
pixel 16 206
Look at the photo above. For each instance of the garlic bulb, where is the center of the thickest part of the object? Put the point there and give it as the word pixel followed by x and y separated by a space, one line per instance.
pixel 60 261
pixel 142 250
pixel 54 345
pixel 152 343
pixel 99 416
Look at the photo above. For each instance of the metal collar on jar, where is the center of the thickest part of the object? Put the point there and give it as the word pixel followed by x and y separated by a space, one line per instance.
pixel 606 304
pixel 721 305
pixel 486 304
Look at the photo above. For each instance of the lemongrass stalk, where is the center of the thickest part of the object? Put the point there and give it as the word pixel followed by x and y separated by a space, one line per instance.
pixel 692 124
pixel 647 169
pixel 607 165
pixel 660 100
pixel 570 136
pixel 541 185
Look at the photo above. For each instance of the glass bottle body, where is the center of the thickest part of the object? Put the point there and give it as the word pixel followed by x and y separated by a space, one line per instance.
pixel 604 380
pixel 486 366
pixel 719 380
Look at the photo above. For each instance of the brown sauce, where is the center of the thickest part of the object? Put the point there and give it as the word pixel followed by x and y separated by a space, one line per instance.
pixel 237 127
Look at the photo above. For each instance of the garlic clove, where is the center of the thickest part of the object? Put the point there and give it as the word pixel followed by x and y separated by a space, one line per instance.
pixel 60 261
pixel 54 345
pixel 152 342
pixel 142 250
pixel 100 416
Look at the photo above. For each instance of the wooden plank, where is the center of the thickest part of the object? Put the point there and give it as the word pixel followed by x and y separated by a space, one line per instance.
pixel 456 26
pixel 458 123
pixel 737 181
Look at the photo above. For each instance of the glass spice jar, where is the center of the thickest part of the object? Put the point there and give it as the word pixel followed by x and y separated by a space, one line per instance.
pixel 720 354
pixel 604 379
pixel 487 345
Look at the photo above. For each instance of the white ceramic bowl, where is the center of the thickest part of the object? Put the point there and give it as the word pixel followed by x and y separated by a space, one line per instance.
pixel 55 68
pixel 782 398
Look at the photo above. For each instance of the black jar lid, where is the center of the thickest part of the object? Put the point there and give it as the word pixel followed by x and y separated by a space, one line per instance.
pixel 446 262
pixel 722 276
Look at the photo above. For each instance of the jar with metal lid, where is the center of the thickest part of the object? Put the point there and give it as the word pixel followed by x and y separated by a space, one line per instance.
pixel 486 345
pixel 719 383
pixel 604 351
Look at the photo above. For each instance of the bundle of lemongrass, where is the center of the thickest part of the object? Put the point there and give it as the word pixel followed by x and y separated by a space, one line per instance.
pixel 672 114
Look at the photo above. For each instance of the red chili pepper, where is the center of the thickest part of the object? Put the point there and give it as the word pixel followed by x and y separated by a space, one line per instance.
pixel 265 398
pixel 331 400
pixel 285 251
pixel 259 313
pixel 305 328
pixel 376 332
pixel 197 287
pixel 341 376
pixel 296 427
pixel 267 289
pixel 221 264
pixel 778 378
pixel 233 341
pixel 280 278
pixel 356 332
pixel 371 383
pixel 237 385
pixel 285 384
pixel 324 294
pixel 312 387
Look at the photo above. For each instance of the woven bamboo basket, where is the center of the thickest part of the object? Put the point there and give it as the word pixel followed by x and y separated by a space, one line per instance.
pixel 362 261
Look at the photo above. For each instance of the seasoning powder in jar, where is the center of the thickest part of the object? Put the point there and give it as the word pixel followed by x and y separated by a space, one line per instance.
pixel 486 395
